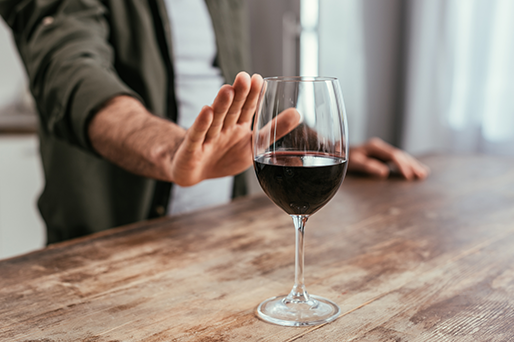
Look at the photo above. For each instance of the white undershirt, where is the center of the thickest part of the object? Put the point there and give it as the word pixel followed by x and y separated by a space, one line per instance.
pixel 197 82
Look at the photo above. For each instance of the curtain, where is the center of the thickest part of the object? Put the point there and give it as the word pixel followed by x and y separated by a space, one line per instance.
pixel 342 55
pixel 459 94
pixel 425 75
pixel 361 43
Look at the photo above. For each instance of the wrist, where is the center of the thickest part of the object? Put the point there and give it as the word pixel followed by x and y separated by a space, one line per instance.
pixel 126 134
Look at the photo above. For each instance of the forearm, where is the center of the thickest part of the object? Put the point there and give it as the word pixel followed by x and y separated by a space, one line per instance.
pixel 126 134
pixel 218 144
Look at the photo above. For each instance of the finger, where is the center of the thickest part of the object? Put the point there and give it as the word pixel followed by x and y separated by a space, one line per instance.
pixel 376 147
pixel 196 133
pixel 424 172
pixel 284 123
pixel 408 166
pixel 359 162
pixel 242 85
pixel 251 101
pixel 220 107
pixel 385 152
pixel 401 161
pixel 420 170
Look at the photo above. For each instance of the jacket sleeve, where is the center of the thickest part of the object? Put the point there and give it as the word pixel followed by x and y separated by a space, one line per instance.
pixel 69 61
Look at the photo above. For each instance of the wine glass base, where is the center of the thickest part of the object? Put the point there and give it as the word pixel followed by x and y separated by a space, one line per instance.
pixel 317 310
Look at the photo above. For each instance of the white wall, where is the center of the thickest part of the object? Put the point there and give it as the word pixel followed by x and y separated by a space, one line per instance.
pixel 361 44
pixel 341 55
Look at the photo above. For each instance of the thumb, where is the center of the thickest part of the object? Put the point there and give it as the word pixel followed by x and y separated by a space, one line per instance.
pixel 359 162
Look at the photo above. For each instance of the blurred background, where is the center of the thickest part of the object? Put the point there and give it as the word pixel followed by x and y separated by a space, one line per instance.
pixel 429 76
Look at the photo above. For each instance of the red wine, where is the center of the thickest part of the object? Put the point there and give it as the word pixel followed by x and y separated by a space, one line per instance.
pixel 300 183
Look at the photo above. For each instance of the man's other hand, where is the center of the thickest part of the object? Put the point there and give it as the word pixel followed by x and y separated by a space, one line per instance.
pixel 377 158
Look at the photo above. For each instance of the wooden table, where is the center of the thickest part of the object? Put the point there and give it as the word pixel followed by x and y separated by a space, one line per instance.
pixel 405 261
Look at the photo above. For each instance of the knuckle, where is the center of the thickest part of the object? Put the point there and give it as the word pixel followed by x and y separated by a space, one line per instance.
pixel 375 141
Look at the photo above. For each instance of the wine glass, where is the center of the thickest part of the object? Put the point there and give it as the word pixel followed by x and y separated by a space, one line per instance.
pixel 300 156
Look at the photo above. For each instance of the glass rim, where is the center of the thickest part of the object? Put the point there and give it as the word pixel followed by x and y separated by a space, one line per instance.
pixel 300 78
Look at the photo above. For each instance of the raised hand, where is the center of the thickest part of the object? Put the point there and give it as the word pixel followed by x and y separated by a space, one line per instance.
pixel 219 142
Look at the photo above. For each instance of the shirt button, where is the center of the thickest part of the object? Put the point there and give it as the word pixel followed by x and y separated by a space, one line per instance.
pixel 48 21
pixel 160 210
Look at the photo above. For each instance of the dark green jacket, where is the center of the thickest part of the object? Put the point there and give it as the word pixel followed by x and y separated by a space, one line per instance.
pixel 80 53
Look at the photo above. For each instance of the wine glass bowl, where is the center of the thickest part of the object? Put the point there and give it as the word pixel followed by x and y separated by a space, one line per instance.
pixel 300 158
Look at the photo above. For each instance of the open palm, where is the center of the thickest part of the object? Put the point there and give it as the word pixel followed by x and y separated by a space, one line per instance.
pixel 219 142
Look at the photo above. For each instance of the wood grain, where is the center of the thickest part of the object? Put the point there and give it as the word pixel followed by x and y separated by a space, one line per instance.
pixel 406 261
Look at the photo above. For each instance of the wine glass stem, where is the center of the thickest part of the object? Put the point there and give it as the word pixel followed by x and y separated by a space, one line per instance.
pixel 299 293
